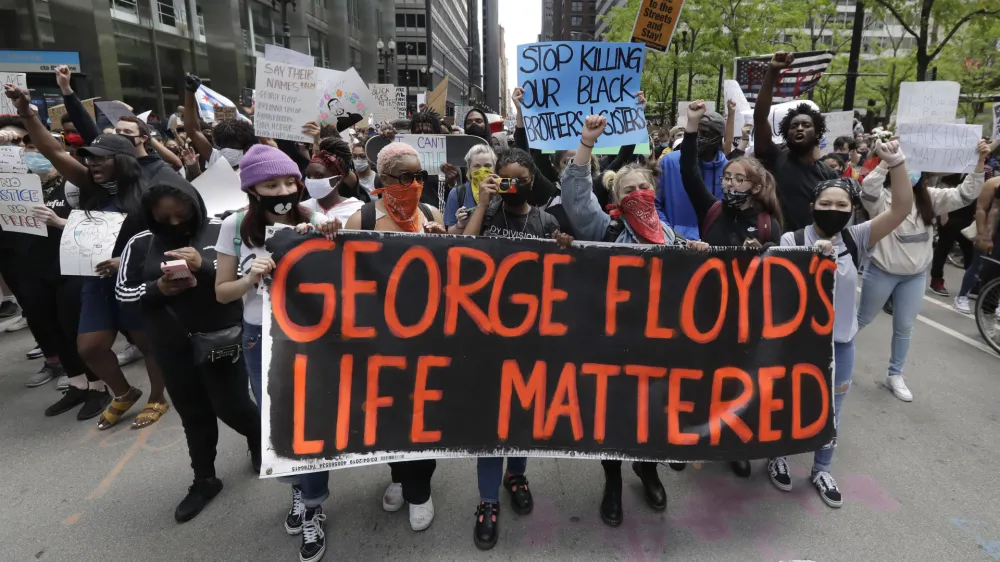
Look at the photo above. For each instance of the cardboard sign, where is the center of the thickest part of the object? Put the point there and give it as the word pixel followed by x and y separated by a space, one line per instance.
pixel 433 150
pixel 19 193
pixel 285 100
pixel 11 161
pixel 682 111
pixel 838 124
pixel 343 99
pixel 225 113
pixel 386 109
pixel 567 81
pixel 219 186
pixel 460 112
pixel 655 23
pixel 733 91
pixel 276 53
pixel 996 121
pixel 18 79
pixel 928 102
pixel 437 100
pixel 940 147
pixel 114 110
pixel 387 347
pixel 88 239
pixel 57 111
pixel 144 116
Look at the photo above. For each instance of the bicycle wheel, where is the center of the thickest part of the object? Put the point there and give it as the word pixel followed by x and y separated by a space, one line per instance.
pixel 987 310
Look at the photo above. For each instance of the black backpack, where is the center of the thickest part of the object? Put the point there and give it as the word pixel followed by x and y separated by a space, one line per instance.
pixel 849 243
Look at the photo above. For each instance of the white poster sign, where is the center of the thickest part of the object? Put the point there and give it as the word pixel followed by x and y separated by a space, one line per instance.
pixel 940 147
pixel 385 109
pixel 928 102
pixel 682 111
pixel 18 79
pixel 11 161
pixel 460 112
pixel 18 194
pixel 219 187
pixel 87 241
pixel 275 53
pixel 996 121
pixel 838 124
pixel 401 101
pixel 285 100
pixel 734 92
pixel 343 98
pixel 433 150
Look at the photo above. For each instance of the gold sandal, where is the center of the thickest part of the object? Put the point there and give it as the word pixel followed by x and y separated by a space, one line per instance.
pixel 117 408
pixel 150 414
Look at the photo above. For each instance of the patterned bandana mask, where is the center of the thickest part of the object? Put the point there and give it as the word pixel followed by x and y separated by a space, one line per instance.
pixel 639 208
pixel 401 203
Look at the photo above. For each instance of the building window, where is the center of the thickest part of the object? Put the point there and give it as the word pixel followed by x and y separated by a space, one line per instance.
pixel 411 20
pixel 166 11
pixel 421 22
pixel 125 6
pixel 576 20
pixel 577 6
pixel 355 57
pixel 261 24
pixel 318 48
pixel 400 20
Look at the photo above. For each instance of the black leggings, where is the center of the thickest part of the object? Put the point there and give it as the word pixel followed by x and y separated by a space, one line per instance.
pixel 948 234
pixel 52 308
pixel 613 470
pixel 415 476
pixel 201 395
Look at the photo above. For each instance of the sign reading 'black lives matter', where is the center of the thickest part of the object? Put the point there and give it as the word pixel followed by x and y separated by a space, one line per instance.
pixel 384 347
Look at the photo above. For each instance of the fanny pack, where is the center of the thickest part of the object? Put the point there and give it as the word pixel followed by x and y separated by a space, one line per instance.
pixel 217 346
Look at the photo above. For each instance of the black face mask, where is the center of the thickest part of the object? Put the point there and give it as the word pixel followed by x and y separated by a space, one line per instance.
pixel 517 198
pixel 477 131
pixel 173 235
pixel 279 204
pixel 831 221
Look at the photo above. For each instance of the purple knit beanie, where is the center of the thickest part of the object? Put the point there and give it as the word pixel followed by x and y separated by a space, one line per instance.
pixel 262 163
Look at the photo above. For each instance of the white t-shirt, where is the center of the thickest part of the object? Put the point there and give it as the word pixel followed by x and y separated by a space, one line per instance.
pixel 367 183
pixel 342 210
pixel 253 302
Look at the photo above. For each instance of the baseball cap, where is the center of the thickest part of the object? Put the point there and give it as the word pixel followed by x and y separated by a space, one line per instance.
pixel 109 144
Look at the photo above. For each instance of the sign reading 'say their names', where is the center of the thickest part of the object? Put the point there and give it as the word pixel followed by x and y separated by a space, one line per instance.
pixel 565 82
pixel 285 100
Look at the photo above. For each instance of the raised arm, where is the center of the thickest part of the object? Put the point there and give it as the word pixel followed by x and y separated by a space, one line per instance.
pixel 625 152
pixel 701 198
pixel 730 134
pixel 585 215
pixel 872 192
pixel 191 122
pixel 542 161
pixel 902 192
pixel 74 107
pixel 761 125
pixel 169 157
pixel 65 164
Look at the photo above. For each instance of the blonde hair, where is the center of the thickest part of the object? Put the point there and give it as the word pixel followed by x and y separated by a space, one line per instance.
pixel 390 156
pixel 612 180
pixel 480 150
pixel 766 198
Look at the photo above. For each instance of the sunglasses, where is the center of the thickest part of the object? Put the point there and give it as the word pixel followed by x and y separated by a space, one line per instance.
pixel 407 178
pixel 95 160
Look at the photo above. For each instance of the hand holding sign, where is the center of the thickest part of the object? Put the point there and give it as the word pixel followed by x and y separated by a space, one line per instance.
pixel 47 216
pixel 984 150
pixel 890 153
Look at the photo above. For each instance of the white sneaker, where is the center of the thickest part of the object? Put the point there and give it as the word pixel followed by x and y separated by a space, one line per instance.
pixel 19 324
pixel 62 383
pixel 896 384
pixel 421 515
pixel 962 305
pixel 130 354
pixel 392 499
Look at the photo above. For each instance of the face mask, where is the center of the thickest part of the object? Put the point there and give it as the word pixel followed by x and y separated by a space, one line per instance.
pixel 232 155
pixel 477 178
pixel 708 146
pixel 361 165
pixel 319 188
pixel 734 199
pixel 111 187
pixel 173 234
pixel 639 208
pixel 401 204
pixel 831 221
pixel 517 198
pixel 477 131
pixel 279 204
pixel 37 164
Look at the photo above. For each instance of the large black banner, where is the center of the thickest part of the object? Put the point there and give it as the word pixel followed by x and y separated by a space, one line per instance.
pixel 389 346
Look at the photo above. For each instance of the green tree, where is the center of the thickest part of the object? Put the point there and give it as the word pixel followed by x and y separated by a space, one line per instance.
pixel 972 60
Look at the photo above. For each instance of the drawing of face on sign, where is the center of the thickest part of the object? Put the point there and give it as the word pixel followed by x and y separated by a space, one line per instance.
pixel 92 234
pixel 339 112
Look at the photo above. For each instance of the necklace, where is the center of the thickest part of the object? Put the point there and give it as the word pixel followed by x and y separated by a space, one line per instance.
pixel 506 222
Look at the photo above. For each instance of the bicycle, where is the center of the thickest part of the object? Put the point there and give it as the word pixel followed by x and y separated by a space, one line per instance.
pixel 988 309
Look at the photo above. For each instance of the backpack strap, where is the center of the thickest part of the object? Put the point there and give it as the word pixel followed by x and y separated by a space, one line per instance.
pixel 237 237
pixel 368 216
pixel 614 230
pixel 711 216
pixel 852 246
pixel 800 237
pixel 460 194
pixel 763 228
pixel 426 210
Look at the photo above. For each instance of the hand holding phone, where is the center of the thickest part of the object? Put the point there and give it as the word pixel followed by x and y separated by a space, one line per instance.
pixel 175 269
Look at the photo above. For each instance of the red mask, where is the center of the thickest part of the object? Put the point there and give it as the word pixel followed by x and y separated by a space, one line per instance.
pixel 639 208
pixel 401 202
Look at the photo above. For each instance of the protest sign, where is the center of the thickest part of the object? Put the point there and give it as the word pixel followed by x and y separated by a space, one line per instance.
pixel 682 111
pixel 433 150
pixel 276 53
pixel 996 121
pixel 421 100
pixel 18 194
pixel 385 109
pixel 733 91
pixel 928 102
pixel 838 124
pixel 460 112
pixel 458 346
pixel 344 99
pixel 940 147
pixel 285 100
pixel 655 23
pixel 18 79
pixel 567 81
pixel 437 99
pixel 457 146
pixel 114 110
pixel 219 186
pixel 401 101
pixel 144 116
pixel 88 239
pixel 11 161
pixel 57 111
pixel 225 113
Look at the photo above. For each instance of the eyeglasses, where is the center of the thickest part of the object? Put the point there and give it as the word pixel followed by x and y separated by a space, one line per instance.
pixel 95 160
pixel 407 178
pixel 734 180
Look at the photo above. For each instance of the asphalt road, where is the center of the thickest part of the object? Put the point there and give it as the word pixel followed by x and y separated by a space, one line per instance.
pixel 919 481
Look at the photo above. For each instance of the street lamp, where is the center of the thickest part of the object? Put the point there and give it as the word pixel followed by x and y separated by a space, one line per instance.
pixel 287 35
pixel 386 53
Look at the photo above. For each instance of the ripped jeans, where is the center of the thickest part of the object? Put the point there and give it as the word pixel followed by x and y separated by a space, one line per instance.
pixel 843 361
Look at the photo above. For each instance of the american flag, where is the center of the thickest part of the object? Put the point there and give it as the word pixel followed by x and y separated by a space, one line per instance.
pixel 798 79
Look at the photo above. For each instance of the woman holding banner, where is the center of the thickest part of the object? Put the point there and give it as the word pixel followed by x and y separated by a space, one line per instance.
pixel 833 205
pixel 900 262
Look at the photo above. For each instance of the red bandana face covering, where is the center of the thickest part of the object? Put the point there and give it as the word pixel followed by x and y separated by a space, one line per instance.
pixel 401 203
pixel 639 208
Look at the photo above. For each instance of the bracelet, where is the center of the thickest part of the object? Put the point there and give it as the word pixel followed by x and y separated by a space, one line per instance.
pixel 585 144
pixel 897 165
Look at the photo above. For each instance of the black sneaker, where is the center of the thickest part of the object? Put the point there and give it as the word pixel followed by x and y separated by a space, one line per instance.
pixel 97 401
pixel 938 288
pixel 741 468
pixel 777 469
pixel 71 398
pixel 199 494
pixel 313 537
pixel 486 533
pixel 9 309
pixel 678 466
pixel 827 488
pixel 520 495
pixel 35 353
pixel 293 521
pixel 254 452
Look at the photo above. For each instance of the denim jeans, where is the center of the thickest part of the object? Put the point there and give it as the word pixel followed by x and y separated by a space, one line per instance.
pixel 843 371
pixel 907 293
pixel 971 277
pixel 490 471
pixel 315 485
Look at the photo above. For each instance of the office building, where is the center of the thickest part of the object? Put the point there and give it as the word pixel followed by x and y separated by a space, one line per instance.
pixel 569 20
pixel 491 54
pixel 139 51
pixel 476 55
pixel 503 109
pixel 603 8
pixel 547 20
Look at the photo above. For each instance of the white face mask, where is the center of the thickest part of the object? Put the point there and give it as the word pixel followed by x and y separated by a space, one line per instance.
pixel 361 165
pixel 232 155
pixel 320 188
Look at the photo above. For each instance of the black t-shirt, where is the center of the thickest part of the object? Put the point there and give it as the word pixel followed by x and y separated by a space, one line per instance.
pixel 795 182
pixel 733 227
pixel 500 223
pixel 41 253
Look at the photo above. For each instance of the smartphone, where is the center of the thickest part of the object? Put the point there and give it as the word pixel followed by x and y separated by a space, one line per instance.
pixel 176 269
pixel 246 97
pixel 508 185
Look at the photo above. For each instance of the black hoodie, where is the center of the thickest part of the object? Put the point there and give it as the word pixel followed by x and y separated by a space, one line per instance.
pixel 196 308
